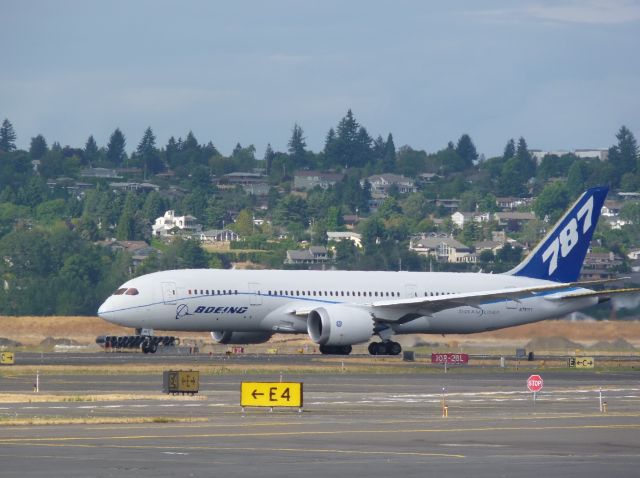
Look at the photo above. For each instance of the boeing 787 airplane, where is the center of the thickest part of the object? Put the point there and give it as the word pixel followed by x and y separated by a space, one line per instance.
pixel 340 308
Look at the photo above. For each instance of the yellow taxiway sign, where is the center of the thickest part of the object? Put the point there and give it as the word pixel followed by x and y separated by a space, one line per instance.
pixel 271 394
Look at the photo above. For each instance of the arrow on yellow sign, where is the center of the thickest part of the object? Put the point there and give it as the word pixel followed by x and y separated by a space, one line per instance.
pixel 271 394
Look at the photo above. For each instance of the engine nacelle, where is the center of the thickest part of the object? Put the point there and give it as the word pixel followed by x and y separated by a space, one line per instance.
pixel 227 337
pixel 339 325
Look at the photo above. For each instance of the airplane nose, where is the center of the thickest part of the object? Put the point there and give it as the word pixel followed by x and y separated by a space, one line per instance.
pixel 103 309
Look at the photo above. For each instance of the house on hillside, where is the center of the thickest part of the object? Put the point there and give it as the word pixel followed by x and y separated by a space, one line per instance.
pixel 307 180
pixel 139 250
pixel 338 236
pixel 170 224
pixel 513 220
pixel 460 219
pixel 219 235
pixel 443 248
pixel 313 255
pixel 382 183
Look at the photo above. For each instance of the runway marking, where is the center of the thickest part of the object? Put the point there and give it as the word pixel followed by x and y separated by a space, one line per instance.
pixel 17 441
pixel 252 449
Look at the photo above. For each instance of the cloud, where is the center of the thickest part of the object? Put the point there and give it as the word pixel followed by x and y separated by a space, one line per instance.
pixel 590 12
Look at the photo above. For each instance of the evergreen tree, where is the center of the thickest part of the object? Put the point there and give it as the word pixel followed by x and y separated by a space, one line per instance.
pixel 389 156
pixel 330 148
pixel 525 160
pixel 148 154
pixel 116 154
pixel 509 150
pixel 7 137
pixel 191 143
pixel 297 146
pixel 269 156
pixel 171 151
pixel 352 144
pixel 624 156
pixel 38 148
pixel 466 150
pixel 91 152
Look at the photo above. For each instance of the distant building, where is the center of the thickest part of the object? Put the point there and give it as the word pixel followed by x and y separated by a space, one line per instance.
pixel 595 153
pixel 513 221
pixel 139 250
pixel 313 255
pixel 452 204
pixel 460 219
pixel 511 203
pixel 307 180
pixel 100 173
pixel 134 187
pixel 338 236
pixel 219 235
pixel 170 224
pixel 443 248
pixel 381 183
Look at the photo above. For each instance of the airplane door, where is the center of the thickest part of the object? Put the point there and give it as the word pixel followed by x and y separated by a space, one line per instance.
pixel 254 290
pixel 169 293
pixel 410 290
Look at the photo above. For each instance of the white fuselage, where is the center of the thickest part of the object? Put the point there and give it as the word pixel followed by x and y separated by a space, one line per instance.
pixel 272 300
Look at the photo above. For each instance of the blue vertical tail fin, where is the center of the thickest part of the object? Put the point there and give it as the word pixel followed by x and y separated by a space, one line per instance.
pixel 559 256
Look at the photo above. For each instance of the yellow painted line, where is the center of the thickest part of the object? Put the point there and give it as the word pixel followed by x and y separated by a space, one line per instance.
pixel 318 433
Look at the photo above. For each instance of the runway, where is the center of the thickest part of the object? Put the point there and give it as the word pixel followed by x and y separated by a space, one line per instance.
pixel 358 424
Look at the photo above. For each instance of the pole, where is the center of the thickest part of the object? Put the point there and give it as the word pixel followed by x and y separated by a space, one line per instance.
pixel 600 399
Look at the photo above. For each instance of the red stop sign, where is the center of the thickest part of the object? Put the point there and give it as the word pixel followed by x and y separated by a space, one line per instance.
pixel 535 383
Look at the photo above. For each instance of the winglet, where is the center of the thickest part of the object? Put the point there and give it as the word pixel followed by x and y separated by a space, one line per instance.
pixel 559 256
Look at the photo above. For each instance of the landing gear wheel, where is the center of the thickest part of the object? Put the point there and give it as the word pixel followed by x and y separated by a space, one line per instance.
pixel 335 349
pixel 378 348
pixel 145 348
pixel 385 348
pixel 394 348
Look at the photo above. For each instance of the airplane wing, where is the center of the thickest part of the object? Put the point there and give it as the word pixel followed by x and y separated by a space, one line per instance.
pixel 605 294
pixel 433 304
pixel 474 299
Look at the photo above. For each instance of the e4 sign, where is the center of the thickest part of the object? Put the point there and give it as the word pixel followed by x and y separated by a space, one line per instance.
pixel 271 394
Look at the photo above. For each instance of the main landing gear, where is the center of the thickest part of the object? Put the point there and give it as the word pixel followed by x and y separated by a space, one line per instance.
pixel 335 349
pixel 385 348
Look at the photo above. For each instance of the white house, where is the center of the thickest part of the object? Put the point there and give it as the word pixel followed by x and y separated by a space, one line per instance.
pixel 338 236
pixel 460 218
pixel 170 224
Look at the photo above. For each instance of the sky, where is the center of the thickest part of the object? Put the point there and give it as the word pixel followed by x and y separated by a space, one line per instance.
pixel 563 74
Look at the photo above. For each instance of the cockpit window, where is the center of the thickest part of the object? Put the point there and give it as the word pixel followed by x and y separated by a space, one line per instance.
pixel 132 291
pixel 120 291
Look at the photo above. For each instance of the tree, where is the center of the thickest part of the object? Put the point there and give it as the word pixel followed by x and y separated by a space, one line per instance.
pixel 269 155
pixel 551 202
pixel 148 153
pixel 624 156
pixel 525 160
pixel 297 145
pixel 244 223
pixel 7 137
pixel 466 150
pixel 116 154
pixel 91 152
pixel 509 150
pixel 38 147
pixel 389 155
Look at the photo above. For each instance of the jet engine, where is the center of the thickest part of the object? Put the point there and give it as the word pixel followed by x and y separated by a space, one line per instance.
pixel 339 325
pixel 227 337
